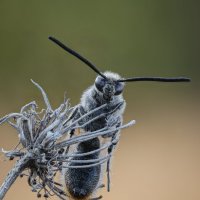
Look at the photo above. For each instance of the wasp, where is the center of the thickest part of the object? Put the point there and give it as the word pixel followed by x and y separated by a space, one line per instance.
pixel 82 181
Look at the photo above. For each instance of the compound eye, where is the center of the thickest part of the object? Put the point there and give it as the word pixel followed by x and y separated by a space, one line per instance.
pixel 100 83
pixel 118 88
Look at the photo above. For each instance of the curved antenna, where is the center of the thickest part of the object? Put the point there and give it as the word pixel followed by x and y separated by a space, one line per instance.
pixel 74 53
pixel 158 79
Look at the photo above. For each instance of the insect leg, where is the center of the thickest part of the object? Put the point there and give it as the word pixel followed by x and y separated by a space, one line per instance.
pixel 71 117
pixel 114 141
pixel 76 114
pixel 110 149
pixel 116 107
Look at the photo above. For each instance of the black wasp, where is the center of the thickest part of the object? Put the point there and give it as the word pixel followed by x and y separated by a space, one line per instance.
pixel 82 182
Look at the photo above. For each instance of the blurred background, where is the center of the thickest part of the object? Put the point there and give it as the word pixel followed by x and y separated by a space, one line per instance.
pixel 158 158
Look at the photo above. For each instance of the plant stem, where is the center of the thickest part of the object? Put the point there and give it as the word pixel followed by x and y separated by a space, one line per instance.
pixel 13 174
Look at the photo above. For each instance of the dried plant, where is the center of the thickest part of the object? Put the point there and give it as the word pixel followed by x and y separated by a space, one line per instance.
pixel 43 154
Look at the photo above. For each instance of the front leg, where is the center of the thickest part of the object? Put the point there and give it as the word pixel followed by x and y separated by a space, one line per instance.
pixel 76 113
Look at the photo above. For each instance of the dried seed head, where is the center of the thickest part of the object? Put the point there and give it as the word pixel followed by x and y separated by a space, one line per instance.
pixel 42 152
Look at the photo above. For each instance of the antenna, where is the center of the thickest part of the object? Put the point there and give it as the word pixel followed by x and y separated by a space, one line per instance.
pixel 94 68
pixel 74 53
pixel 158 79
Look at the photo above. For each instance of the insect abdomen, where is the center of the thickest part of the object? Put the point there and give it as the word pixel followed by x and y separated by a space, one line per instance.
pixel 82 182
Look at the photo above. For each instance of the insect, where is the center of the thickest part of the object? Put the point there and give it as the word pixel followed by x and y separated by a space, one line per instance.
pixel 107 89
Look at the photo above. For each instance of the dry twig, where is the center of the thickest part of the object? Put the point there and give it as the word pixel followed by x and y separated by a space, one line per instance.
pixel 42 152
